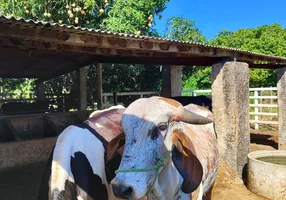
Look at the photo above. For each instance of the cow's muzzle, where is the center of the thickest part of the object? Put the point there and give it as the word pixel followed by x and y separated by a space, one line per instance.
pixel 122 191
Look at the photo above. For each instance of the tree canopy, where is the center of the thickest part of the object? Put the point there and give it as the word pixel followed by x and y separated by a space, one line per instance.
pixel 266 39
pixel 132 16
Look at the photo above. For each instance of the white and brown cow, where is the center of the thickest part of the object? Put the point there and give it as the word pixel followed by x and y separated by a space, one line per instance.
pixel 161 130
pixel 84 159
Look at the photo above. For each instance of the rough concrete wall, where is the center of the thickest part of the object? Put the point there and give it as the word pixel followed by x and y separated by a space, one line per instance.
pixel 21 168
pixel 281 93
pixel 230 99
pixel 176 80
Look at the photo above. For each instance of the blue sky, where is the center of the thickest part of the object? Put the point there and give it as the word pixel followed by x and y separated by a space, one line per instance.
pixel 211 16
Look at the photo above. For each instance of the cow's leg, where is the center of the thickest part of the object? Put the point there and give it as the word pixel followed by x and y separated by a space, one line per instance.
pixel 209 194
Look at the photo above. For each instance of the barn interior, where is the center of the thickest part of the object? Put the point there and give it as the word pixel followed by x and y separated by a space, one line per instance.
pixel 42 50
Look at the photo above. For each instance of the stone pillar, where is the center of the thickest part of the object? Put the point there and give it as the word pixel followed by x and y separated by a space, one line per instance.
pixel 230 99
pixel 82 76
pixel 40 89
pixel 171 81
pixel 99 86
pixel 281 93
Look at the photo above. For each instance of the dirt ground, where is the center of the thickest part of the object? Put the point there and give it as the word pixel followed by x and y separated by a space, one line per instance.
pixel 226 188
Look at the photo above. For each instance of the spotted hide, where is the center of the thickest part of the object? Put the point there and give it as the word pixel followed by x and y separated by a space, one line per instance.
pixel 84 159
pixel 172 151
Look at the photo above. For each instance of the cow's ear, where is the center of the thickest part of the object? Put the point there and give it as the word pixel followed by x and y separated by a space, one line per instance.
pixel 186 162
pixel 115 146
pixel 114 152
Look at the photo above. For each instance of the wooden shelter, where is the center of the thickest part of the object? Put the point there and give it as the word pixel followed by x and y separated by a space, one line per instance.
pixel 45 50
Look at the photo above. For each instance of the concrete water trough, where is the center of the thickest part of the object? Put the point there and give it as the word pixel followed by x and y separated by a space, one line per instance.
pixel 267 174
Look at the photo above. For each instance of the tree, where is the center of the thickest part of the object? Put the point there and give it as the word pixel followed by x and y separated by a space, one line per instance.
pixel 266 39
pixel 180 28
pixel 132 16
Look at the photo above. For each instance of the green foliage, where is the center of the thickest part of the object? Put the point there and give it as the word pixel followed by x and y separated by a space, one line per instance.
pixel 196 78
pixel 12 7
pixel 266 39
pixel 17 86
pixel 179 28
pixel 122 78
pixel 133 16
pixel 62 84
pixel 88 13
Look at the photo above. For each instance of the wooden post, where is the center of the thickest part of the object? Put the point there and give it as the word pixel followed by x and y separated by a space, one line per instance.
pixel 99 86
pixel 256 109
pixel 171 81
pixel 40 89
pixel 281 94
pixel 82 76
pixel 115 98
pixel 230 99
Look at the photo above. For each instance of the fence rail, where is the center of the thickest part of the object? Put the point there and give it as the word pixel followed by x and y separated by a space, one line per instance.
pixel 262 107
pixel 115 95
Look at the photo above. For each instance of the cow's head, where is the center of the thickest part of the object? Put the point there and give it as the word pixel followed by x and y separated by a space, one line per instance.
pixel 154 132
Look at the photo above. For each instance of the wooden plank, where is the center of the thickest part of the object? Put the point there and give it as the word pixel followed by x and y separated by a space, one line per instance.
pixel 263 97
pixel 263 122
pixel 263 113
pixel 136 93
pixel 263 89
pixel 59 114
pixel 266 66
pixel 99 85
pixel 81 79
pixel 52 124
pixel 264 105
pixel 166 81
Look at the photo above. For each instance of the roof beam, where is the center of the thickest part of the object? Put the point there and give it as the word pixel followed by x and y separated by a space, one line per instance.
pixel 267 66
pixel 96 43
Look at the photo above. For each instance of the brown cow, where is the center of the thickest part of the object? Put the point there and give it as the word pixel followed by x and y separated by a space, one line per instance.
pixel 171 151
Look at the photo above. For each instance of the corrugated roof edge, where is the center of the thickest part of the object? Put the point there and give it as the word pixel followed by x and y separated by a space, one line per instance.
pixel 71 27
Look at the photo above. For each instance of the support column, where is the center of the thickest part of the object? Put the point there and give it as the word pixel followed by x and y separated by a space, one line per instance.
pixel 99 85
pixel 230 100
pixel 82 76
pixel 281 94
pixel 171 81
pixel 40 89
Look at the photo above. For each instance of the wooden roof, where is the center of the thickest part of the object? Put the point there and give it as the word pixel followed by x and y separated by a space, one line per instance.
pixel 45 50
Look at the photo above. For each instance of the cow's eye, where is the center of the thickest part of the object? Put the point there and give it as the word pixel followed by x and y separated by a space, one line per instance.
pixel 162 126
pixel 153 133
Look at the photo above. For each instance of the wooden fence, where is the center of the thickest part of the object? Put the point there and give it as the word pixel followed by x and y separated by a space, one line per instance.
pixel 263 104
pixel 263 101
pixel 57 101
pixel 110 99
